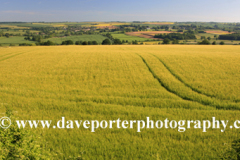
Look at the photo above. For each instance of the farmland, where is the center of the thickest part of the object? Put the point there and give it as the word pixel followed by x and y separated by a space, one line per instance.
pixel 127 82
pixel 139 32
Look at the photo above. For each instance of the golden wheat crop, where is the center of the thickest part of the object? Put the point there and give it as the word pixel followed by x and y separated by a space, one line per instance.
pixel 127 82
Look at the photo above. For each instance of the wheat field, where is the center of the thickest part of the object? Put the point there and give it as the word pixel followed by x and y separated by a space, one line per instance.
pixel 128 82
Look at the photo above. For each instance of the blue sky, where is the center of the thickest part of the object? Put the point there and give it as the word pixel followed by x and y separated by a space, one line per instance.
pixel 120 10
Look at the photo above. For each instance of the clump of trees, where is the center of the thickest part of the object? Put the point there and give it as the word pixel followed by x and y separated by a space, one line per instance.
pixel 93 42
pixel 221 43
pixel 7 35
pixel 25 44
pixel 109 36
pixel 166 41
pixel 78 43
pixel 180 30
pixel 234 36
pixel 135 42
pixel 175 41
pixel 117 41
pixel 48 43
pixel 37 38
pixel 106 42
pixel 67 42
pixel 205 41
pixel 86 43
pixel 201 31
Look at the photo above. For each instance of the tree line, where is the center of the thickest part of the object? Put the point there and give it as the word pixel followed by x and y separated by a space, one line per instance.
pixel 106 41
pixel 234 36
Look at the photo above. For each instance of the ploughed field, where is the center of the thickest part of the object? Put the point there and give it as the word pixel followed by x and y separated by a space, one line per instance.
pixel 130 83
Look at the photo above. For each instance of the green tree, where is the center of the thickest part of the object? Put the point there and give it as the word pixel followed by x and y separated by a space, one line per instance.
pixel 205 41
pixel 27 32
pixel 109 36
pixel 175 41
pixel 221 43
pixel 25 44
pixel 27 38
pixel 117 41
pixel 166 41
pixel 7 35
pixel 134 42
pixel 94 42
pixel 106 42
pixel 89 42
pixel 78 43
pixel 49 43
pixel 214 43
pixel 85 43
pixel 67 42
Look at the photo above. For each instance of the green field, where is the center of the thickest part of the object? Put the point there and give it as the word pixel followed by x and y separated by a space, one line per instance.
pixel 127 82
pixel 129 38
pixel 98 38
pixel 198 36
pixel 13 40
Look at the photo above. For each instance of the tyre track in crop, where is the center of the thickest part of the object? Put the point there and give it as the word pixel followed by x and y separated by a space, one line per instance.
pixel 162 84
pixel 180 79
pixel 12 56
pixel 6 54
pixel 187 85
pixel 207 102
